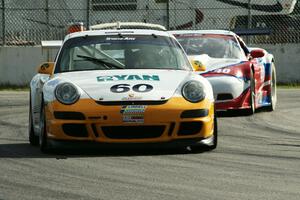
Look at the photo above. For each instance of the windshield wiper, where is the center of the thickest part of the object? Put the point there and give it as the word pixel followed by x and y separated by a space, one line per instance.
pixel 98 60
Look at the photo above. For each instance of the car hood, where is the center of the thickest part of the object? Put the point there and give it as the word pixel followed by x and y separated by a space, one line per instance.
pixel 122 85
pixel 216 63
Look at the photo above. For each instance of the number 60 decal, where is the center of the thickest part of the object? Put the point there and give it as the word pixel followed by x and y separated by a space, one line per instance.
pixel 120 88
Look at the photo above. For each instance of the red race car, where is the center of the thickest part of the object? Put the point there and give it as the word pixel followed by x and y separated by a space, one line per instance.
pixel 243 78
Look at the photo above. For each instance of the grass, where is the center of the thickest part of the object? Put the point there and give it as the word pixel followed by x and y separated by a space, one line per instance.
pixel 289 85
pixel 14 88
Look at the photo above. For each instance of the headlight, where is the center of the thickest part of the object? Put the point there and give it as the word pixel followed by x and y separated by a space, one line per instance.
pixel 66 93
pixel 193 91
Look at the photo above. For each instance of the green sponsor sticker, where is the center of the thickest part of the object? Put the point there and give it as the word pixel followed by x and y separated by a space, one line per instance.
pixel 128 78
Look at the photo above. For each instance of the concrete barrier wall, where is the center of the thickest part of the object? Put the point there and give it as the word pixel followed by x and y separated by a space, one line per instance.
pixel 287 61
pixel 18 64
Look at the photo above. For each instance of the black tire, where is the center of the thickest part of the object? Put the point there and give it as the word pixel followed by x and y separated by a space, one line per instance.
pixel 33 139
pixel 43 140
pixel 273 96
pixel 251 110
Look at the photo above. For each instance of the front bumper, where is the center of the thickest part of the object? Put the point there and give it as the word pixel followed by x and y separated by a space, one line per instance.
pixel 230 92
pixel 239 103
pixel 86 120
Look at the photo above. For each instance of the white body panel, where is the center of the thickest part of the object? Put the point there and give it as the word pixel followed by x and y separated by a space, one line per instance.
pixel 227 85
pixel 90 87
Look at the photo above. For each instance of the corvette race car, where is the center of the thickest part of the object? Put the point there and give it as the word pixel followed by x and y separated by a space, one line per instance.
pixel 121 86
pixel 243 78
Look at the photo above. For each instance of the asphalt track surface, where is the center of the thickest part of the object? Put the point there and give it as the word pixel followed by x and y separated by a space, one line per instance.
pixel 258 157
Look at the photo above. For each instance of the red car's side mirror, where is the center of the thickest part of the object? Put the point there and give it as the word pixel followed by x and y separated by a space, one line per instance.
pixel 257 53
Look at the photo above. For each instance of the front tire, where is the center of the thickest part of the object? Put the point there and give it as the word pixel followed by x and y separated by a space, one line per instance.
pixel 33 139
pixel 251 110
pixel 43 139
pixel 273 92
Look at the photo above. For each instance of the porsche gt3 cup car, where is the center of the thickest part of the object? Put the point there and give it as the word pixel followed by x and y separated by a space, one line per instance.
pixel 121 86
pixel 242 78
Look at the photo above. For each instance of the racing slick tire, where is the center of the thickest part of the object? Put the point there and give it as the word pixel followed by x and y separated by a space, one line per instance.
pixel 273 92
pixel 43 140
pixel 251 110
pixel 33 139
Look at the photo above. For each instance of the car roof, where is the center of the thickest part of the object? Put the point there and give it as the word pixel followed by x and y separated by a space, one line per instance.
pixel 116 32
pixel 221 32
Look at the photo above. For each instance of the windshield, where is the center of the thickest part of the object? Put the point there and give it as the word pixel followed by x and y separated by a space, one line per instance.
pixel 110 52
pixel 214 45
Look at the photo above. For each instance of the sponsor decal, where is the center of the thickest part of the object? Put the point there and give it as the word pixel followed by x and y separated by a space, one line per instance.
pixel 45 66
pixel 120 38
pixel 133 113
pixel 131 97
pixel 128 78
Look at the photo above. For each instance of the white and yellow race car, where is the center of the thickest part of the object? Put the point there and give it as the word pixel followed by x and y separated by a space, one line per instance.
pixel 121 86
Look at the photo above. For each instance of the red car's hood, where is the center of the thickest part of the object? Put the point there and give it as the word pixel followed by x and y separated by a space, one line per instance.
pixel 216 63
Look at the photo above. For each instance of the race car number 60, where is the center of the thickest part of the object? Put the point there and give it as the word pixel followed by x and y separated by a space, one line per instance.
pixel 120 88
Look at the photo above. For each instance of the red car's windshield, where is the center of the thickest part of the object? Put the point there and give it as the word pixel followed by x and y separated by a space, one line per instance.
pixel 214 45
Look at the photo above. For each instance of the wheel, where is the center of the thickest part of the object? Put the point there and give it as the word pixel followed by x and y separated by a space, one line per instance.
pixel 44 146
pixel 33 139
pixel 251 110
pixel 273 92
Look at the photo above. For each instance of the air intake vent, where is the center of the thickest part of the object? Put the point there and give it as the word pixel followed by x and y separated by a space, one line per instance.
pixel 75 130
pixel 189 128
pixel 224 96
pixel 69 115
pixel 133 132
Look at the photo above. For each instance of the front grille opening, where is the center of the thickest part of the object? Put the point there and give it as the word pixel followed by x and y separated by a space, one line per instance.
pixel 75 130
pixel 194 113
pixel 133 132
pixel 171 128
pixel 189 128
pixel 69 115
pixel 224 96
pixel 95 130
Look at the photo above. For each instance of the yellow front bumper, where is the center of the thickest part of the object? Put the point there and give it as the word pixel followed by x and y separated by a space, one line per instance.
pixel 110 124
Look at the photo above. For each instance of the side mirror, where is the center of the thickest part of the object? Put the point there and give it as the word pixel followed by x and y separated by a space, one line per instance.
pixel 198 65
pixel 46 68
pixel 257 53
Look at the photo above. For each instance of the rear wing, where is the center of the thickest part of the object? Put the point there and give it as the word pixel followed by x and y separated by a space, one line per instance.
pixel 128 25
